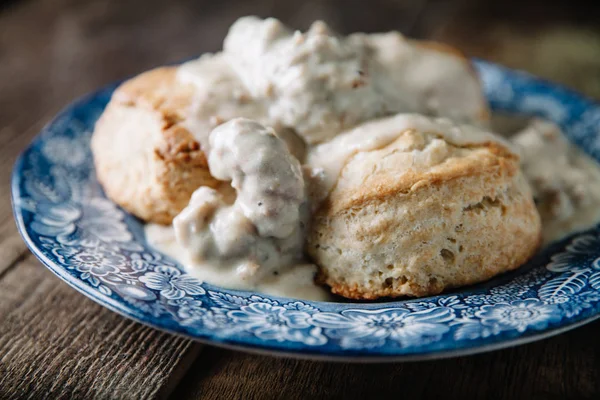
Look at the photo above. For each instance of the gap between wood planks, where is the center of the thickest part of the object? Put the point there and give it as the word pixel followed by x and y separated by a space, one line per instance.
pixel 12 248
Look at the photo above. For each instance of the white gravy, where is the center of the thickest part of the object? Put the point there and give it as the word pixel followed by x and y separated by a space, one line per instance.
pixel 219 96
pixel 319 83
pixel 296 281
pixel 565 181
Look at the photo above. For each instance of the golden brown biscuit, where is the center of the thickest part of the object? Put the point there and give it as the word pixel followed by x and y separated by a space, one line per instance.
pixel 147 162
pixel 423 214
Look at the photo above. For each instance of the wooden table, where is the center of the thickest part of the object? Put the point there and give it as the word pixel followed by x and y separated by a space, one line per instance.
pixel 55 343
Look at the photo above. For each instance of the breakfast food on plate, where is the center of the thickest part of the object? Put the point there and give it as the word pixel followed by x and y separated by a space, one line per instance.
pixel 403 205
pixel 416 206
pixel 565 180
pixel 249 231
pixel 364 160
pixel 149 143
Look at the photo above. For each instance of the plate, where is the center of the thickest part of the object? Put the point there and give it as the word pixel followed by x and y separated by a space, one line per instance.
pixel 100 250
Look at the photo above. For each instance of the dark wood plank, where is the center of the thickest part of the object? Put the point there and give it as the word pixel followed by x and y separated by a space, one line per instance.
pixel 55 343
pixel 565 366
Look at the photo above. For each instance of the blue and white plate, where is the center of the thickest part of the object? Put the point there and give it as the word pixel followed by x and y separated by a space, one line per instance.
pixel 100 250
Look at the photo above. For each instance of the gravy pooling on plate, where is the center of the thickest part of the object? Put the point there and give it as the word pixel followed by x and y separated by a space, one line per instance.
pixel 295 281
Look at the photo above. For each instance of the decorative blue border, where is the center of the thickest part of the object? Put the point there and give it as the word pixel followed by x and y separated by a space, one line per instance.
pixel 94 246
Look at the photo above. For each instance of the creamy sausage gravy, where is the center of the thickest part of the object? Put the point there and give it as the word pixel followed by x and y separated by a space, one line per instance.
pixel 565 180
pixel 320 83
pixel 326 98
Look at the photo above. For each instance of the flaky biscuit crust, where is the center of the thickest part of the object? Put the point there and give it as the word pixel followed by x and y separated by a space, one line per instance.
pixel 146 160
pixel 388 231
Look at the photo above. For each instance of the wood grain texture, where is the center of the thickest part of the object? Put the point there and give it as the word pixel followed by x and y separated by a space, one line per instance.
pixel 55 343
pixel 12 247
pixel 562 367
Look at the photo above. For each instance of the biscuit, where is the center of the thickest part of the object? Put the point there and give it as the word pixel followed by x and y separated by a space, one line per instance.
pixel 421 215
pixel 146 160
